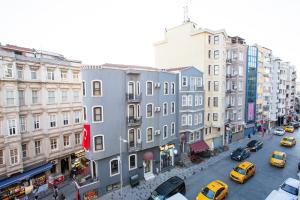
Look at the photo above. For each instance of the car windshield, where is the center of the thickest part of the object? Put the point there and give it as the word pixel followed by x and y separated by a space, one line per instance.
pixel 290 140
pixel 240 170
pixel 156 196
pixel 252 143
pixel 276 156
pixel 239 150
pixel 284 139
pixel 208 193
pixel 289 189
pixel 279 129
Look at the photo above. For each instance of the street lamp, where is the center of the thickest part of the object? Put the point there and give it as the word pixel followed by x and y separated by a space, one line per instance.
pixel 120 161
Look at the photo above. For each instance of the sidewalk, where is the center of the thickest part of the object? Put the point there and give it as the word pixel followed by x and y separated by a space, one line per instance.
pixel 145 188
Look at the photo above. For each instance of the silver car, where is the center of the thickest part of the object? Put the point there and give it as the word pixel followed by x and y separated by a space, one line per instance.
pixel 278 131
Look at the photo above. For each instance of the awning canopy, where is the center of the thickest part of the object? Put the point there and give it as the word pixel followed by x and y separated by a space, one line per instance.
pixel 148 155
pixel 25 175
pixel 199 146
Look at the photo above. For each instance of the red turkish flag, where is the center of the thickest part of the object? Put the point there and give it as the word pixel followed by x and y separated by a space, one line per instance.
pixel 86 136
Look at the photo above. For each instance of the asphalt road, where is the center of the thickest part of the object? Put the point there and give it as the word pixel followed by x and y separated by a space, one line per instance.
pixel 266 178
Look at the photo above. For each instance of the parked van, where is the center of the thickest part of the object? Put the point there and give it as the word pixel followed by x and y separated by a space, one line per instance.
pixel 168 188
pixel 177 196
pixel 277 195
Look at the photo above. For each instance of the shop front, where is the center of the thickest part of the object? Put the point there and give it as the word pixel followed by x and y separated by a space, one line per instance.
pixel 167 156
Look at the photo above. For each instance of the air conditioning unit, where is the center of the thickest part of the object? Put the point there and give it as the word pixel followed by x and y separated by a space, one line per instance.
pixel 157 85
pixel 157 109
pixel 157 132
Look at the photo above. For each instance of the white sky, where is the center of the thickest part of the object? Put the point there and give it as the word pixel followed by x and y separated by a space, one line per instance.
pixel 119 31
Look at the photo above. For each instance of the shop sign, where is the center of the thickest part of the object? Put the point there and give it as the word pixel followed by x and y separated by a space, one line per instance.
pixel 90 195
pixel 166 147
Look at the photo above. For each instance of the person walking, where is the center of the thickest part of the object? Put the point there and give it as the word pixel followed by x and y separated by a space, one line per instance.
pixel 55 192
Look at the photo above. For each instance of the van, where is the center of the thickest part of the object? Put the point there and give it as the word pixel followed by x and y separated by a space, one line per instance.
pixel 276 195
pixel 168 188
pixel 177 196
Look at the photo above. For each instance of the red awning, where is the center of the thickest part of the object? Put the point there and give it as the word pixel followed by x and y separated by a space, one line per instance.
pixel 199 146
pixel 148 155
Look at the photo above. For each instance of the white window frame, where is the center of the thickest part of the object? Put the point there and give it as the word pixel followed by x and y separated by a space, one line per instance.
pixel 9 72
pixel 68 141
pixel 21 94
pixel 51 97
pixel 77 115
pixel 216 69
pixel 166 88
pixel 173 125
pixel 147 88
pixel 173 88
pixel 79 139
pixel 110 167
pixel 64 75
pixel 10 100
pixel 33 73
pixel 77 75
pixel 2 157
pixel 191 135
pixel 39 147
pixel 50 74
pixel 148 141
pixel 165 108
pixel 200 118
pixel 196 100
pixel 65 118
pixel 16 158
pixel 184 120
pixel 53 138
pixel 92 88
pixel 83 88
pixel 64 96
pixel 36 121
pixel 22 122
pixel 196 119
pixel 103 143
pixel 165 137
pixel 33 98
pixel 12 126
pixel 135 162
pixel 76 96
pixel 84 113
pixel 173 108
pixel 200 100
pixel 152 110
pixel 190 119
pixel 190 100
pixel 184 100
pixel 184 83
pixel 52 118
pixel 101 121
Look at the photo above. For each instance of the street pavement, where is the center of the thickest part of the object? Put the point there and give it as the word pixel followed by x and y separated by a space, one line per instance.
pixel 266 179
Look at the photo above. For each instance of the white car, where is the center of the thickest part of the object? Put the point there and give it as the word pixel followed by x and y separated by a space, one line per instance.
pixel 276 195
pixel 279 131
pixel 177 196
pixel 290 186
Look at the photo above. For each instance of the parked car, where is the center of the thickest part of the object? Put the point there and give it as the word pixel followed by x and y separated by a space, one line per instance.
pixel 278 159
pixel 289 129
pixel 255 145
pixel 294 124
pixel 168 188
pixel 288 141
pixel 240 154
pixel 276 195
pixel 291 187
pixel 177 196
pixel 242 172
pixel 215 190
pixel 279 131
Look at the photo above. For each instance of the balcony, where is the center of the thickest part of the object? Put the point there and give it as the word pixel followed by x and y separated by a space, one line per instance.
pixel 134 146
pixel 134 121
pixel 133 98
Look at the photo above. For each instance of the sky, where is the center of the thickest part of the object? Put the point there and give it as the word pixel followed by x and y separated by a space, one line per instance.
pixel 123 32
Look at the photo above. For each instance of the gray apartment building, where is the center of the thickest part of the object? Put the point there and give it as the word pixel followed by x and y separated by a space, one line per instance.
pixel 135 110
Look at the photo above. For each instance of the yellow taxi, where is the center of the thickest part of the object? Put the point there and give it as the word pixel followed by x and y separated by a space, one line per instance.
pixel 278 159
pixel 289 129
pixel 288 141
pixel 242 172
pixel 215 190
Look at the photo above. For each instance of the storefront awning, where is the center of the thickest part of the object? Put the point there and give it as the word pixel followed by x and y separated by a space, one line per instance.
pixel 25 175
pixel 148 155
pixel 199 146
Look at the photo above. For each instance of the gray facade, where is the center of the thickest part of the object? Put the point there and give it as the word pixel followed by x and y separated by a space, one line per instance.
pixel 140 105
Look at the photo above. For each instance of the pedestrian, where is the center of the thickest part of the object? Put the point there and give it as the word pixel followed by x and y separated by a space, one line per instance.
pixel 36 197
pixel 249 135
pixel 62 197
pixel 55 192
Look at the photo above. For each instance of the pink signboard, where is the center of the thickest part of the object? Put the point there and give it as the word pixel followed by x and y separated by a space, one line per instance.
pixel 250 111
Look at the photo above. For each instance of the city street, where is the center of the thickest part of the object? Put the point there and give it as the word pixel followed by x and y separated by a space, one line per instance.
pixel 266 179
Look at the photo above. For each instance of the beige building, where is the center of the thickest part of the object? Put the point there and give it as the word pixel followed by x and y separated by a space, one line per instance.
pixel 40 110
pixel 188 45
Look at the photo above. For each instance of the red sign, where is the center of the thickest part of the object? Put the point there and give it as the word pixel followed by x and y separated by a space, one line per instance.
pixel 86 136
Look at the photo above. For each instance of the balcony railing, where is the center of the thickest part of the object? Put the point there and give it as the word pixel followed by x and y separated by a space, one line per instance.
pixel 134 121
pixel 132 98
pixel 134 146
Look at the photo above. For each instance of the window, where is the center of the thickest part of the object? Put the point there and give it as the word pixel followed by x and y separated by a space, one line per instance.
pixel 132 161
pixel 240 100
pixel 165 109
pixel 200 100
pixel 51 96
pixel 76 96
pixel 37 145
pixel 21 97
pixel 1 157
pixel 193 83
pixel 63 74
pixel 172 88
pixel 52 120
pixel 196 119
pixel 53 143
pixel 149 135
pixel 22 123
pixel 190 100
pixel 149 110
pixel 190 120
pixel 9 71
pixel 138 88
pixel 114 167
pixel 98 114
pixel 208 116
pixel 34 96
pixel 196 100
pixel 33 73
pixel 200 118
pixel 216 86
pixel 215 101
pixel 24 150
pixel 66 140
pixel 184 100
pixel 99 143
pixel 216 54
pixel 36 122
pixel 209 54
pixel 20 73
pixel 12 127
pixel 209 69
pixel 83 88
pixel 216 69
pixel 208 101
pixel 240 85
pixel 77 138
pixel 183 120
pixel 172 107
pixel 216 39
pixel 172 128
pixel 14 156
pixel 191 139
pixel 97 88
pixel 166 88
pixel 84 113
pixel 50 74
pixel 65 118
pixel 241 71
pixel 10 97
pixel 197 135
pixel 209 39
pixel 165 132
pixel 215 116
pixel 199 82
pixel 77 115
pixel 149 88
pixel 75 75
pixel 184 81
pixel 64 96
